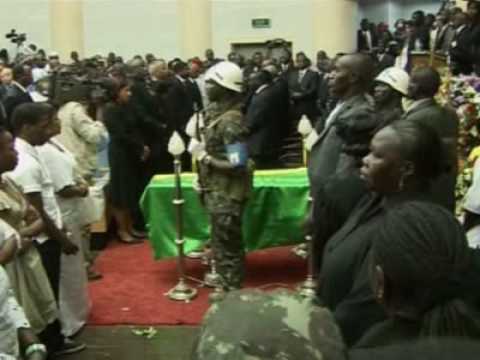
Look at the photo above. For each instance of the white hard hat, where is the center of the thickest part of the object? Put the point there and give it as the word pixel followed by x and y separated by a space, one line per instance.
pixel 397 78
pixel 226 74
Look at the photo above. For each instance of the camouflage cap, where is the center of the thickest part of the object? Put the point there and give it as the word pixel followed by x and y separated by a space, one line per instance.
pixel 255 325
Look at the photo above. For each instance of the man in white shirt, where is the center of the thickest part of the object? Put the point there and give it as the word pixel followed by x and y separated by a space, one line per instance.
pixel 81 135
pixel 34 124
pixel 366 41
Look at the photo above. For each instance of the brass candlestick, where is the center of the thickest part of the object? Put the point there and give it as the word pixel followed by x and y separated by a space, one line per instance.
pixel 182 291
pixel 308 287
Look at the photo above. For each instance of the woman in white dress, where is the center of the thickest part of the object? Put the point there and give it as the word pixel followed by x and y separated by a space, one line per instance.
pixel 20 257
pixel 74 302
pixel 15 330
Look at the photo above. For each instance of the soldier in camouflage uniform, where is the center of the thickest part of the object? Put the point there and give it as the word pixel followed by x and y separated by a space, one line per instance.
pixel 254 325
pixel 225 174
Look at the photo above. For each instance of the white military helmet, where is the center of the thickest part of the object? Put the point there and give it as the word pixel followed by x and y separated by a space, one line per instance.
pixel 226 74
pixel 397 78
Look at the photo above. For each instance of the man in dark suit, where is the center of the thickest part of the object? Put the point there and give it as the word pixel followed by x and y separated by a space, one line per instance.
pixel 460 49
pixel 179 104
pixel 279 88
pixel 423 86
pixel 385 59
pixel 302 84
pixel 254 66
pixel 349 82
pixel 18 94
pixel 336 144
pixel 210 59
pixel 151 123
pixel 262 122
pixel 286 63
pixel 195 69
pixel 324 65
pixel 419 39
pixel 366 39
pixel 445 32
pixel 473 11
pixel 179 98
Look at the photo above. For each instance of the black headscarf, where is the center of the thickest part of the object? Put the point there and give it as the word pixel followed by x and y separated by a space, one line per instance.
pixel 424 254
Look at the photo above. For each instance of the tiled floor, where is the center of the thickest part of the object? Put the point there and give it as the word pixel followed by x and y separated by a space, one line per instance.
pixel 119 343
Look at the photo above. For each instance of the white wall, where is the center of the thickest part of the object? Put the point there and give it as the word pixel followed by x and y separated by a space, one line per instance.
pixel 26 16
pixel 429 6
pixel 290 19
pixel 130 27
pixel 391 10
pixel 374 10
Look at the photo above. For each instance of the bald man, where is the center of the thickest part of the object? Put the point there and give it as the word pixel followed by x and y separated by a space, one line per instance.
pixel 349 82
pixel 333 165
pixel 423 86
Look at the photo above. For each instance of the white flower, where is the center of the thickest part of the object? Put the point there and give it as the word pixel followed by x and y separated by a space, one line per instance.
pixel 176 146
pixel 191 128
pixel 304 126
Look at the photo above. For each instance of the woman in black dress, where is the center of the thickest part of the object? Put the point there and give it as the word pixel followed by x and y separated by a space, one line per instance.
pixel 127 152
pixel 403 161
pixel 422 274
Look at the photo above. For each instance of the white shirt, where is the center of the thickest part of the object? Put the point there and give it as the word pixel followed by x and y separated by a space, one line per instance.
pixel 301 74
pixel 460 29
pixel 368 36
pixel 182 80
pixel 201 84
pixel 61 164
pixel 33 176
pixel 38 73
pixel 261 88
pixel 416 104
pixel 38 98
pixel 472 199
pixel 81 135
pixel 333 114
pixel 12 316
pixel 20 86
pixel 313 138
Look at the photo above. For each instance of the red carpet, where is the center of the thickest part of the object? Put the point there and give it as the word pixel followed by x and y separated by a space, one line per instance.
pixel 132 289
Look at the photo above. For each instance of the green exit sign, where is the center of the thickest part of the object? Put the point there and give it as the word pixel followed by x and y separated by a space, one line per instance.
pixel 261 23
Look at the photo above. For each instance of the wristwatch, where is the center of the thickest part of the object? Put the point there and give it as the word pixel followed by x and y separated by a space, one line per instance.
pixel 35 348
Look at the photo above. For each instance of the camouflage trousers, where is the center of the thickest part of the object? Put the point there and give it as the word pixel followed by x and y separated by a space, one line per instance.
pixel 226 238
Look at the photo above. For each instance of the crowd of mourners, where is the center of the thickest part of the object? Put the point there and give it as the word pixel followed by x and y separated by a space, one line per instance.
pixel 393 265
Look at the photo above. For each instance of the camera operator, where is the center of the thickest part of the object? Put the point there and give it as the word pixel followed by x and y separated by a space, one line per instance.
pixel 80 133
pixel 82 136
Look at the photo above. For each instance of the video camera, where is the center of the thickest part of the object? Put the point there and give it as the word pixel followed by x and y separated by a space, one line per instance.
pixel 16 38
pixel 70 84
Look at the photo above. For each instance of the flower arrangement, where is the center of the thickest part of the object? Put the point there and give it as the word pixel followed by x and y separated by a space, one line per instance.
pixel 465 98
pixel 463 94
